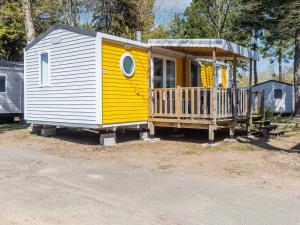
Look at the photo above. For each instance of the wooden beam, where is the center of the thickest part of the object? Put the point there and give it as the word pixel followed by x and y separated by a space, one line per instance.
pixel 182 121
pixel 214 103
pixel 250 92
pixel 150 100
pixel 250 72
pixel 182 125
pixel 235 91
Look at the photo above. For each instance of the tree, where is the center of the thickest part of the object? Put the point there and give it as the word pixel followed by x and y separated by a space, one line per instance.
pixel 282 19
pixel 213 14
pixel 28 21
pixel 280 51
pixel 45 14
pixel 248 27
pixel 12 32
pixel 123 17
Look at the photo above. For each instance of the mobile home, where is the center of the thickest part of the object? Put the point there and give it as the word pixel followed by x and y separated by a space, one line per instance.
pixel 278 96
pixel 11 89
pixel 80 78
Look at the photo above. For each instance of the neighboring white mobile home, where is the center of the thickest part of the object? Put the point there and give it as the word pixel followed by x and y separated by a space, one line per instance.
pixel 11 89
pixel 279 96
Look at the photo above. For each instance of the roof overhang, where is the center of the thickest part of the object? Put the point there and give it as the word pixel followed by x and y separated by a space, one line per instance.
pixel 205 47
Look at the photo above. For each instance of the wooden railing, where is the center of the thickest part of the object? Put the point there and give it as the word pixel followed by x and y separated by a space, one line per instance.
pixel 198 103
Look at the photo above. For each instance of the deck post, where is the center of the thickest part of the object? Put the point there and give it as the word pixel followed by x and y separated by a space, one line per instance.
pixel 235 100
pixel 178 102
pixel 262 105
pixel 150 100
pixel 250 94
pixel 214 89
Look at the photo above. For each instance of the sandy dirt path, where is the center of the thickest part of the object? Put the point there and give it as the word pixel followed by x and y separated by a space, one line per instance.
pixel 69 179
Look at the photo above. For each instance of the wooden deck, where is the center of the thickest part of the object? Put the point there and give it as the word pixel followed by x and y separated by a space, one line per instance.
pixel 204 108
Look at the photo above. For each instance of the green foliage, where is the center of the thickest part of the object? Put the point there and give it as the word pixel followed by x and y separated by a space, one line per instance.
pixel 12 32
pixel 123 17
pixel 269 114
pixel 159 32
pixel 46 13
pixel 206 19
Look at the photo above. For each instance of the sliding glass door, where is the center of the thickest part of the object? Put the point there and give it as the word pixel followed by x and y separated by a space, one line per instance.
pixel 164 72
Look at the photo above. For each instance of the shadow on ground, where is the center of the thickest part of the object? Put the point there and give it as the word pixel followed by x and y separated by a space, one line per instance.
pixel 123 136
pixel 87 137
pixel 265 143
pixel 170 134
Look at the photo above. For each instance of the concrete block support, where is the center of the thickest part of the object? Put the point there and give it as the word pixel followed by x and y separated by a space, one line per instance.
pixel 211 133
pixel 231 131
pixel 46 132
pixel 108 139
pixel 151 128
pixel 144 135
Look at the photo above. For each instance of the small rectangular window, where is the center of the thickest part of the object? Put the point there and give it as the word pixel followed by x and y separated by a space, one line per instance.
pixel 278 93
pixel 45 74
pixel 2 83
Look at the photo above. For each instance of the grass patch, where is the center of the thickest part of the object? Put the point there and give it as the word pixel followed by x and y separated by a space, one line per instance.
pixel 244 147
pixel 11 126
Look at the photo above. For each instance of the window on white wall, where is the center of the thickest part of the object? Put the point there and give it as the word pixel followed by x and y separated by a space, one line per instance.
pixel 45 73
pixel 278 93
pixel 2 83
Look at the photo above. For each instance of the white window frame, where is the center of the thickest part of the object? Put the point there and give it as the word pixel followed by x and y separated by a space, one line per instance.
pixel 164 58
pixel 124 55
pixel 4 92
pixel 40 69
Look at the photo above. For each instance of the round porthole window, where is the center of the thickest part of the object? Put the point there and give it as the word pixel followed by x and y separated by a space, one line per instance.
pixel 127 64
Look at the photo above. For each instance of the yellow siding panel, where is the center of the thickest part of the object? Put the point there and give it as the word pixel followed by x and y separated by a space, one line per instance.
pixel 207 75
pixel 179 66
pixel 224 77
pixel 124 100
pixel 187 72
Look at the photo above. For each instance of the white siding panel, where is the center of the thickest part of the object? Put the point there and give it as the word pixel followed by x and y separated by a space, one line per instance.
pixel 71 97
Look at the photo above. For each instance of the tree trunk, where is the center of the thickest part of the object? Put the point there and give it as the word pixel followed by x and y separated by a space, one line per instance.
pixel 29 27
pixel 297 73
pixel 280 68
pixel 255 72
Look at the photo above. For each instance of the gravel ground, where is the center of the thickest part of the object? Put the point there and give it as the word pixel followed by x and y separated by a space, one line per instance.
pixel 68 179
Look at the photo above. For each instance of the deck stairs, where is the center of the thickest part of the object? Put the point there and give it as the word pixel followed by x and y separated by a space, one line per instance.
pixel 266 129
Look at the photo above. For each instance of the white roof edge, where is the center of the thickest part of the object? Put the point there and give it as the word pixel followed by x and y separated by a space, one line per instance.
pixel 123 40
pixel 206 43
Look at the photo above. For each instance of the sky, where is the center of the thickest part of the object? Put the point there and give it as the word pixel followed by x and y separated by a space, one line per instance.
pixel 165 10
